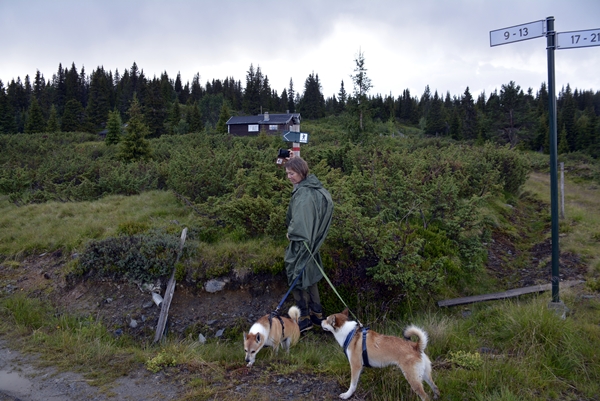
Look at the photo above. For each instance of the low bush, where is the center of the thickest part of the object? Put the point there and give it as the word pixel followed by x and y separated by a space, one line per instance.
pixel 140 257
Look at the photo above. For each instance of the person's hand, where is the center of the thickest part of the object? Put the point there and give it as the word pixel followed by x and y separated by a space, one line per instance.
pixel 287 235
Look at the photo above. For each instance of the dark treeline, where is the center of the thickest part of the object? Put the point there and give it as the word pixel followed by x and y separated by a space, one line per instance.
pixel 74 101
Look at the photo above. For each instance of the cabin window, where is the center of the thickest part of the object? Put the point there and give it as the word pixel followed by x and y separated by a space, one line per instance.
pixel 273 127
pixel 253 128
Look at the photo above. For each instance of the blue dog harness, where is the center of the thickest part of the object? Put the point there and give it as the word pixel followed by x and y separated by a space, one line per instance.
pixel 349 337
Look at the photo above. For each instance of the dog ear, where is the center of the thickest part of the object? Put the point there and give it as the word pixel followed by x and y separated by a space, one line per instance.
pixel 345 312
pixel 257 337
pixel 245 336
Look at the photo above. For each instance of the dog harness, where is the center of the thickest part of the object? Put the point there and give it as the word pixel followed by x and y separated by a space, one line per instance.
pixel 276 314
pixel 365 355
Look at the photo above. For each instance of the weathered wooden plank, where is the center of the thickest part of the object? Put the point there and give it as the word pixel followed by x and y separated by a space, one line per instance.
pixel 505 294
pixel 166 304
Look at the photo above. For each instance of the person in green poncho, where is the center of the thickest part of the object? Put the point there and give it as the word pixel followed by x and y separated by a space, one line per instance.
pixel 308 220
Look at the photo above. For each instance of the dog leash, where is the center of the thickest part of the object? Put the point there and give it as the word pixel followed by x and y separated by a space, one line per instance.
pixel 276 311
pixel 331 284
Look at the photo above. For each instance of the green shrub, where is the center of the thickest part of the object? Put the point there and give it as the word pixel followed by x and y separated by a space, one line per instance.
pixel 140 257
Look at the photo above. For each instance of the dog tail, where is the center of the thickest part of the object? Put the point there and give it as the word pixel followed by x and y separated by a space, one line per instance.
pixel 418 332
pixel 294 313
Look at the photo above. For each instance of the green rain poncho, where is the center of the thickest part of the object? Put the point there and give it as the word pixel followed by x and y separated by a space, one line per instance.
pixel 308 219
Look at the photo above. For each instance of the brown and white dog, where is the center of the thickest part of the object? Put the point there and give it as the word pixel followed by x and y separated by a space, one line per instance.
pixel 272 331
pixel 382 351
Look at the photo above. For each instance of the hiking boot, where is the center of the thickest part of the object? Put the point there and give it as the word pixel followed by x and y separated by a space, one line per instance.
pixel 316 318
pixel 305 324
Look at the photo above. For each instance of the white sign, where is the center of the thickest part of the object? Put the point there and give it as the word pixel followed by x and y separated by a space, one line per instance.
pixel 303 137
pixel 517 33
pixel 570 40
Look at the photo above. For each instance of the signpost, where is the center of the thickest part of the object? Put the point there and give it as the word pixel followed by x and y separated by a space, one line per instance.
pixel 292 136
pixel 518 33
pixel 296 138
pixel 565 40
pixel 570 40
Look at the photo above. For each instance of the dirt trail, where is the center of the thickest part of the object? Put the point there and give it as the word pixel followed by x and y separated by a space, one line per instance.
pixel 23 378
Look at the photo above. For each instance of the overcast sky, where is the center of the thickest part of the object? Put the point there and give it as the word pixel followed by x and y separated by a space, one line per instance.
pixel 407 44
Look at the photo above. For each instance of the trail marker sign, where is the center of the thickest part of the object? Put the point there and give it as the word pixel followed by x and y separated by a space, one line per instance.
pixel 518 33
pixel 573 39
pixel 554 40
pixel 293 136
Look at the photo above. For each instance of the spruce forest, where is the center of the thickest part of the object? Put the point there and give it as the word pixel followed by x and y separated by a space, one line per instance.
pixel 75 101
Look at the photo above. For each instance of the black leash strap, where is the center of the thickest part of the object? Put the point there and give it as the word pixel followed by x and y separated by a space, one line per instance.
pixel 289 290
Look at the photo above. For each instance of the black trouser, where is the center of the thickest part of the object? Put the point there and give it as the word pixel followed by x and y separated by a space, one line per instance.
pixel 308 299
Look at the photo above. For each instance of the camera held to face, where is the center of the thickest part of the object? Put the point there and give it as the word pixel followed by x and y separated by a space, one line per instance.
pixel 282 156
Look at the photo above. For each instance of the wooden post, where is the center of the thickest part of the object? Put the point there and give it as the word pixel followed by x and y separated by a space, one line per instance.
pixel 296 149
pixel 166 304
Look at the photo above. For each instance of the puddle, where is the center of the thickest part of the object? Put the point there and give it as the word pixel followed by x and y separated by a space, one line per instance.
pixel 14 383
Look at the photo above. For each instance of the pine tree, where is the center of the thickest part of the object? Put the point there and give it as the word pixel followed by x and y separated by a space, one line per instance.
pixel 362 85
pixel 114 128
pixel 53 125
pixel 567 117
pixel 251 103
pixel 134 146
pixel 435 122
pixel 194 118
pixel 563 143
pixel 35 118
pixel 174 117
pixel 60 90
pixel 197 91
pixel 342 99
pixel 72 85
pixel 469 116
pixel 73 117
pixel 224 116
pixel 179 89
pixel 291 98
pixel 155 109
pixel 99 98
pixel 283 101
pixel 266 95
pixel 7 116
pixel 312 105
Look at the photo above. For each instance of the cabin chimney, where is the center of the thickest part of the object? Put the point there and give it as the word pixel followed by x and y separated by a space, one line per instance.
pixel 266 116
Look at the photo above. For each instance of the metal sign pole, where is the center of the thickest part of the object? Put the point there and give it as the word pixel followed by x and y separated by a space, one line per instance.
pixel 551 45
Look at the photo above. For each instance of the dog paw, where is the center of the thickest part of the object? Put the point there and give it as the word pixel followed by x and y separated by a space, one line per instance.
pixel 249 365
pixel 346 395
